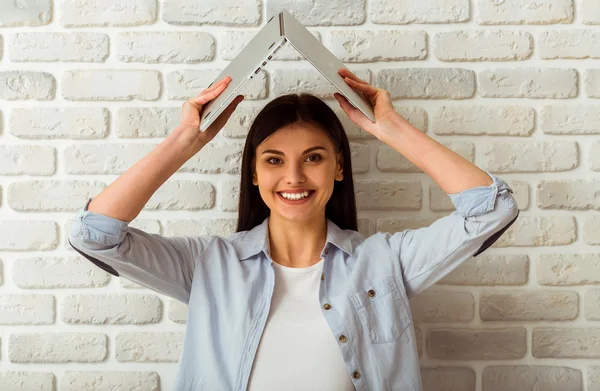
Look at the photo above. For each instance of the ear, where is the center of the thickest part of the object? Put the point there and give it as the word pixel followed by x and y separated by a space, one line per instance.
pixel 339 175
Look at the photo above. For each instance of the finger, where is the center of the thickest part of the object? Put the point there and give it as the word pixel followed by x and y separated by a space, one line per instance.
pixel 366 88
pixel 353 113
pixel 215 85
pixel 346 73
pixel 206 97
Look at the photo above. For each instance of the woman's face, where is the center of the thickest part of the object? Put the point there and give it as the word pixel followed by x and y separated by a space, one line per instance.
pixel 282 162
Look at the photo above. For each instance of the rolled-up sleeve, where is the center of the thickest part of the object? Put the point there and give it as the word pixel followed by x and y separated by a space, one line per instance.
pixel 428 254
pixel 163 264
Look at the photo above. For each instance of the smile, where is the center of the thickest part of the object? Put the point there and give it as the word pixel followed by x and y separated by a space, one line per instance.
pixel 296 202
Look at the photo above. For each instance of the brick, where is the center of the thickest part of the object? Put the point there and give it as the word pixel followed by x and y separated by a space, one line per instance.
pixel 372 194
pixel 165 47
pixel 592 83
pixel 148 347
pixel 289 81
pixel 20 309
pixel 529 377
pixel 569 44
pixel 0 272
pixel 103 158
pixel 111 84
pixel 502 120
pixel 438 306
pixel 378 45
pixel 21 380
pixel 182 195
pixel 17 235
pixel 237 13
pixel 574 120
pixel 240 121
pixel 483 45
pixel 565 343
pixel 533 83
pixel 427 83
pixel 80 47
pixel 216 158
pixel 25 85
pixel 188 83
pixel 57 273
pixel 51 195
pixel 146 122
pixel 591 230
pixel 218 226
pixel 477 344
pixel 361 157
pixel 539 231
pixel 57 347
pixel 27 160
pixel 427 11
pixel 490 270
pixel 590 14
pixel 123 309
pixel 107 381
pixel 578 194
pixel 568 269
pixel 232 42
pixel 448 379
pixel 593 380
pixel 177 311
pixel 332 12
pixel 515 12
pixel 530 156
pixel 25 13
pixel 59 123
pixel 1 47
pixel 389 160
pixel 591 302
pixel 526 306
pixel 124 13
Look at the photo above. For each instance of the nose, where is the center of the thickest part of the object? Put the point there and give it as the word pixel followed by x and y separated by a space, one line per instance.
pixel 295 174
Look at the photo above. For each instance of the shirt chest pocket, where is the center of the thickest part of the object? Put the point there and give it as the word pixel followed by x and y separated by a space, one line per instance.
pixel 381 310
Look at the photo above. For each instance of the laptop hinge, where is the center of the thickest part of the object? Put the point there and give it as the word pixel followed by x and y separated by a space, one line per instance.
pixel 281 29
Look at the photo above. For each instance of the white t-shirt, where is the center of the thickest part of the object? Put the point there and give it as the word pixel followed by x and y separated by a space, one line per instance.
pixel 297 350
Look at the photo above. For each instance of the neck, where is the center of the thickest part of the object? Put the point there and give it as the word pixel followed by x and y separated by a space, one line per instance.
pixel 297 243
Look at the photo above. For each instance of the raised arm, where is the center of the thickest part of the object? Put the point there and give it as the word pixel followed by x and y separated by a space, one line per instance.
pixel 101 231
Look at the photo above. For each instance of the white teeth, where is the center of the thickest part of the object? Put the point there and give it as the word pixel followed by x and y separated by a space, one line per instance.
pixel 297 196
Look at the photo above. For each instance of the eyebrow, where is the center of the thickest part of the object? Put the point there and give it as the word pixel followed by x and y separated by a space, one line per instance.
pixel 281 153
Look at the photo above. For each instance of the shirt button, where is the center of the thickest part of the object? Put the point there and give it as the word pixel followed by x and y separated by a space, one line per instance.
pixel 356 375
pixel 326 306
pixel 371 293
pixel 343 338
pixel 322 276
pixel 326 250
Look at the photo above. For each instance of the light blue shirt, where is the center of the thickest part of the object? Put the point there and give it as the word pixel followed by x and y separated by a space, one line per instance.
pixel 364 291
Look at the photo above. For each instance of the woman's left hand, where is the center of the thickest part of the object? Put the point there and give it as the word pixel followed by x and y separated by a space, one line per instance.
pixel 380 100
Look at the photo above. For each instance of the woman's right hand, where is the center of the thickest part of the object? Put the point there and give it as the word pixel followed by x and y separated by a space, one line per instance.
pixel 192 108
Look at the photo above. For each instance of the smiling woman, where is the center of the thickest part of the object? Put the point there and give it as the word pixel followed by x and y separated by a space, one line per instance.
pixel 296 144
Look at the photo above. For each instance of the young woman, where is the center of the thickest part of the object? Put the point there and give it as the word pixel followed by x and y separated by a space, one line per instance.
pixel 296 298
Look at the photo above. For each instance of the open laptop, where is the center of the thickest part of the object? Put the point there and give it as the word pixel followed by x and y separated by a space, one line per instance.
pixel 280 28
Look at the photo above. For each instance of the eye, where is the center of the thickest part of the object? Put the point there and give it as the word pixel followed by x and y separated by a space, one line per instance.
pixel 309 156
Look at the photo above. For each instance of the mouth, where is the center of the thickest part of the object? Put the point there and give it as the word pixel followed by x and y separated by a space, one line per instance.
pixel 296 202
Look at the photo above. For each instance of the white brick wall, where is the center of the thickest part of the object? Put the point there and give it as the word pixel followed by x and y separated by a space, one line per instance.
pixel 89 87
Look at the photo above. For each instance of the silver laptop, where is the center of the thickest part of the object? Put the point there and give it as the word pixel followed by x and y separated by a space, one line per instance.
pixel 280 28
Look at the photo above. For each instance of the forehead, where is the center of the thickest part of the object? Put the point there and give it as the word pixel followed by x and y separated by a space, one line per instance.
pixel 298 136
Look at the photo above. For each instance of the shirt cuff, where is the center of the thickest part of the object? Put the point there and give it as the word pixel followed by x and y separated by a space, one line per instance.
pixel 97 227
pixel 479 200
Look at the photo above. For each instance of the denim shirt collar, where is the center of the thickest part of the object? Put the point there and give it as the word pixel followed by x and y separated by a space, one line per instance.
pixel 257 240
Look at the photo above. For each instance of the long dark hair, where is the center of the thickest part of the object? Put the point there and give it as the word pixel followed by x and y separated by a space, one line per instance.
pixel 286 110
